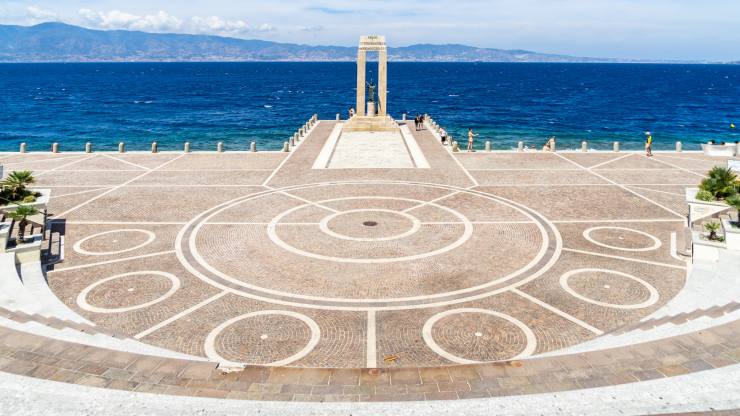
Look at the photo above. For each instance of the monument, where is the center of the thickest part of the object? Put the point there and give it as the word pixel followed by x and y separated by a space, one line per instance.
pixel 372 110
pixel 372 44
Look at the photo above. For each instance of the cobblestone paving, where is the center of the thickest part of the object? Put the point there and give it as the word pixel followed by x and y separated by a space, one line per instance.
pixel 256 258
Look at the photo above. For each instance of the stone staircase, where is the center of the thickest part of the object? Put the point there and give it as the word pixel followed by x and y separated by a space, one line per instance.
pixel 374 124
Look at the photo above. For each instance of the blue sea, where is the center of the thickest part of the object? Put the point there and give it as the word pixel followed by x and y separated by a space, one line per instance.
pixel 237 103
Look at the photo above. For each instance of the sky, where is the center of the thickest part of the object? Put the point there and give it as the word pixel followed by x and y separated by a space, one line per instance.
pixel 640 29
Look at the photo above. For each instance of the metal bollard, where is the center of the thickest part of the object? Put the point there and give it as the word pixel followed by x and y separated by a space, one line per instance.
pixel 679 147
pixel 23 148
pixel 616 146
pixel 488 145
pixel 403 117
pixel 520 147
pixel 55 147
pixel 121 147
pixel 296 137
pixel 584 146
pixel 253 147
pixel 292 141
pixel 88 147
pixel 338 117
pixel 220 147
pixel 154 147
pixel 186 148
pixel 286 147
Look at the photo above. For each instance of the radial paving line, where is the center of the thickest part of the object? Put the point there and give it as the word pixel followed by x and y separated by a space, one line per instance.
pixel 64 165
pixel 557 311
pixel 676 167
pixel 433 201
pixel 118 187
pixel 655 190
pixel 608 161
pixel 179 315
pixel 79 193
pixel 316 204
pixel 290 154
pixel 125 161
pixel 655 263
pixel 621 186
pixel 83 266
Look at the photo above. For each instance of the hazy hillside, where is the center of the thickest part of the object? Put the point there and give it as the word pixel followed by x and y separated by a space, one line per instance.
pixel 58 42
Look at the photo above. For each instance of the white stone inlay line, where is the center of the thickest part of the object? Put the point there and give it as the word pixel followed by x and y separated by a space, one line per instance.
pixel 558 312
pixel 372 345
pixel 180 315
pixel 420 161
pixel 656 242
pixel 210 343
pixel 78 246
pixel 415 225
pixel 82 297
pixel 652 298
pixel 429 339
pixel 100 263
pixel 275 238
pixel 322 160
pixel 655 263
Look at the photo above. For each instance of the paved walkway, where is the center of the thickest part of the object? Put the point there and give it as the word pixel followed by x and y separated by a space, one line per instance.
pixel 446 281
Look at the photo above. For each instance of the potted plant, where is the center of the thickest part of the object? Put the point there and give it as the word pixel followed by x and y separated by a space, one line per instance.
pixel 721 183
pixel 14 187
pixel 21 215
pixel 712 227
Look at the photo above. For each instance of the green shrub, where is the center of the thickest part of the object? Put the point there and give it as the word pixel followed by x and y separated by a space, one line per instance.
pixel 704 195
pixel 712 227
pixel 29 198
pixel 721 183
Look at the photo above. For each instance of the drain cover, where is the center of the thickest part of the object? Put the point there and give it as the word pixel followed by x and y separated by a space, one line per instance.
pixel 370 223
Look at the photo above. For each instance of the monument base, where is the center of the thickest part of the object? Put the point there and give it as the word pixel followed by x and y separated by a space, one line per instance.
pixel 378 123
pixel 371 109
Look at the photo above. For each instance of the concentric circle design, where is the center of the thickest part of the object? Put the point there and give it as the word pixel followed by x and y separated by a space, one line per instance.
pixel 655 243
pixel 313 328
pixel 528 338
pixel 150 236
pixel 465 236
pixel 413 224
pixel 650 295
pixel 352 235
pixel 82 298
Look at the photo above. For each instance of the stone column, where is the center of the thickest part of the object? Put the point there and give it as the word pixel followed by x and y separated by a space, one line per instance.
pixel 382 83
pixel 360 105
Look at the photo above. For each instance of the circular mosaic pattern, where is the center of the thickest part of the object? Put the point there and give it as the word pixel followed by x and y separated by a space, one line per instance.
pixel 609 288
pixel 389 251
pixel 114 242
pixel 370 225
pixel 270 337
pixel 620 238
pixel 472 335
pixel 128 291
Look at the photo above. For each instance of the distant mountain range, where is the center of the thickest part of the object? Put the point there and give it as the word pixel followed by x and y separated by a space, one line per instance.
pixel 59 42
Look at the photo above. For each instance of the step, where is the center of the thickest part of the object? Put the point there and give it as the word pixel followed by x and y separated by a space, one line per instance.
pixel 35 282
pixel 15 296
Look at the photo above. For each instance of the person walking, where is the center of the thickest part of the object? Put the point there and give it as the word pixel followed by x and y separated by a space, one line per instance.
pixel 443 136
pixel 471 138
pixel 416 122
pixel 648 144
pixel 421 121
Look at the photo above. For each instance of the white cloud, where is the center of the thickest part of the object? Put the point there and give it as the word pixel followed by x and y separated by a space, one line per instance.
pixel 116 19
pixel 164 22
pixel 35 14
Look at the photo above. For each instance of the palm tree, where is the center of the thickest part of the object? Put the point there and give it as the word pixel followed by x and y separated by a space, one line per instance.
pixel 734 201
pixel 21 215
pixel 712 227
pixel 721 182
pixel 16 184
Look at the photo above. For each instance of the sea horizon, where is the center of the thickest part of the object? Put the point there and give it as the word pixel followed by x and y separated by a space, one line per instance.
pixel 240 102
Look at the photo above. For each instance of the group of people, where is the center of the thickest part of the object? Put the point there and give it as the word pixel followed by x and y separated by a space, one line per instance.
pixel 419 122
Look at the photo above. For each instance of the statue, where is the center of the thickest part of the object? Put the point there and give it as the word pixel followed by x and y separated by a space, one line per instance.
pixel 371 92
